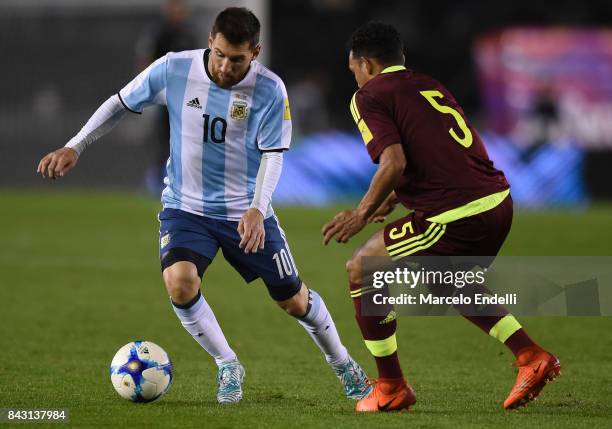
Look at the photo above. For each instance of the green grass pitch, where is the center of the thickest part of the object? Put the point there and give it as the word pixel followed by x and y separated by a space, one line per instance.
pixel 80 277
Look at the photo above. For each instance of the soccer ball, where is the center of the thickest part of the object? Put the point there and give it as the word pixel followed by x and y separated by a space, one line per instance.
pixel 141 371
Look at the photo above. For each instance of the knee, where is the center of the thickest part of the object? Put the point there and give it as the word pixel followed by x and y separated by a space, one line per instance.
pixel 182 281
pixel 297 305
pixel 353 268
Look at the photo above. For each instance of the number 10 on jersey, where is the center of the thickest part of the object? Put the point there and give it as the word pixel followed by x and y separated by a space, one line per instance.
pixel 214 130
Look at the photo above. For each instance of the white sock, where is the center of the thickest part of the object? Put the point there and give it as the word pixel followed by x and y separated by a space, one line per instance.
pixel 320 326
pixel 199 320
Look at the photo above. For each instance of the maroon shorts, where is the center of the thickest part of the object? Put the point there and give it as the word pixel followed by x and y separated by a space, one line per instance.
pixel 479 235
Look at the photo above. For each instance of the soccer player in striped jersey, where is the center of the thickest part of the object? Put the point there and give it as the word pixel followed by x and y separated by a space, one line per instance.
pixel 229 126
pixel 432 161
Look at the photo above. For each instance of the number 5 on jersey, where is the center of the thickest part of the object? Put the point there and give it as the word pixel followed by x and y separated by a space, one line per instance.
pixel 467 139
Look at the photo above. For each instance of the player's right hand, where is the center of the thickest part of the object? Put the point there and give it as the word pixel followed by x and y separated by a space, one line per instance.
pixel 57 163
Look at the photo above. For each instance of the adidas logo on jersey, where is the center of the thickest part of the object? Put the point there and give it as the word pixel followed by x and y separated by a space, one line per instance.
pixel 194 103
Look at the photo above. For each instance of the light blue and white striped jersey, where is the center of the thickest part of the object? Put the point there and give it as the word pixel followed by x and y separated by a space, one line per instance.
pixel 217 135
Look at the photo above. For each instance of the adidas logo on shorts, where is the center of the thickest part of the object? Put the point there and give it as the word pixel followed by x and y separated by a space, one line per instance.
pixel 194 103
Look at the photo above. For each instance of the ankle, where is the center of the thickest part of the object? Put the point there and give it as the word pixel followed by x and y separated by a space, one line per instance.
pixel 390 385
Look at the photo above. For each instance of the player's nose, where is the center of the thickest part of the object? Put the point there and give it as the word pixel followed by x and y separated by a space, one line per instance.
pixel 225 66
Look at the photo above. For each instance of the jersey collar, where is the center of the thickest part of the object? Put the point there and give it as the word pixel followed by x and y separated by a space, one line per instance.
pixel 392 69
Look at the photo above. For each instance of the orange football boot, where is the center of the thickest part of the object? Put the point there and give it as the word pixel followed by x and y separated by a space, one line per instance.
pixel 388 394
pixel 536 367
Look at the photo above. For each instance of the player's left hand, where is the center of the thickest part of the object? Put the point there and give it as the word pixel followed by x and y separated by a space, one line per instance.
pixel 343 226
pixel 252 231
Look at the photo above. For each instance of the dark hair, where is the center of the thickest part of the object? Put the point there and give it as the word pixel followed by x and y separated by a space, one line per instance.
pixel 238 25
pixel 379 41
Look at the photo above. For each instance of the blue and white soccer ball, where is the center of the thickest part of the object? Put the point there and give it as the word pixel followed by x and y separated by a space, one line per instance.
pixel 141 371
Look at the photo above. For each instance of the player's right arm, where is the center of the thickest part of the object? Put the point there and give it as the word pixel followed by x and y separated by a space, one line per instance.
pixel 60 161
pixel 375 122
pixel 146 89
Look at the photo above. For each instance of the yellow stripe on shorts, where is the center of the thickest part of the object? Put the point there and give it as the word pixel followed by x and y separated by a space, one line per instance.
pixel 358 292
pixel 432 232
pixel 411 239
pixel 420 245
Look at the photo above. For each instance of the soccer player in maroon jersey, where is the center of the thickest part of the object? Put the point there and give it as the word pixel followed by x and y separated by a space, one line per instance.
pixel 433 162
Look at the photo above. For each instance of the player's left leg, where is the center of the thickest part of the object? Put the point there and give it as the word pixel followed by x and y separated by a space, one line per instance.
pixel 276 267
pixel 536 366
pixel 481 234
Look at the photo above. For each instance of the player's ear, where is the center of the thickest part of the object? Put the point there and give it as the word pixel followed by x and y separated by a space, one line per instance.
pixel 256 52
pixel 368 66
pixel 210 40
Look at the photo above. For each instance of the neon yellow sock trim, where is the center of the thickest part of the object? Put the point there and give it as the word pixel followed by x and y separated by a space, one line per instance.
pixel 504 328
pixel 381 348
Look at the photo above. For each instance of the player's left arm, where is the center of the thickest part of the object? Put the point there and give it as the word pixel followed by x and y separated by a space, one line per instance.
pixel 251 228
pixel 349 222
pixel 273 137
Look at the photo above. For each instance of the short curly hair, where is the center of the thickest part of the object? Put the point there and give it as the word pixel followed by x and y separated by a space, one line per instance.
pixel 238 25
pixel 379 41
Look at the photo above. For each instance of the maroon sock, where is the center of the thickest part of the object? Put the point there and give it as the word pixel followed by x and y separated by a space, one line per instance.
pixel 484 322
pixel 517 341
pixel 389 366
pixel 372 329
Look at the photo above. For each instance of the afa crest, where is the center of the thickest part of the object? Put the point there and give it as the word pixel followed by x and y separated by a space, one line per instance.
pixel 239 110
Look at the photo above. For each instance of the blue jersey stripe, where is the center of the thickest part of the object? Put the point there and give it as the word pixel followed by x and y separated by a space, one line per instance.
pixel 213 157
pixel 175 94
pixel 264 88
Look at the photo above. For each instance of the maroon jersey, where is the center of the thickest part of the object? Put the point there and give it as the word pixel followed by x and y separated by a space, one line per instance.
pixel 447 163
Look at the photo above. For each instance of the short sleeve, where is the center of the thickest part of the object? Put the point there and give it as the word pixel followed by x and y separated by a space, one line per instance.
pixel 375 124
pixel 148 88
pixel 275 128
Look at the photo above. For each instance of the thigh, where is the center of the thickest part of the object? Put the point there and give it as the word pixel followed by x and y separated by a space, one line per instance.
pixel 274 263
pixel 374 246
pixel 369 257
pixel 185 236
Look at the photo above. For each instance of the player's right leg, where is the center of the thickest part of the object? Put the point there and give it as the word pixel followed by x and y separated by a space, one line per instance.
pixel 185 254
pixel 391 392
